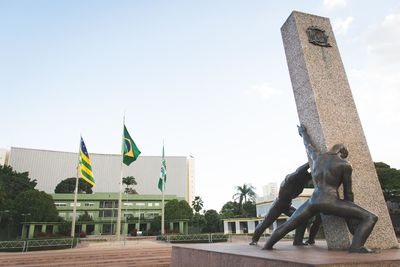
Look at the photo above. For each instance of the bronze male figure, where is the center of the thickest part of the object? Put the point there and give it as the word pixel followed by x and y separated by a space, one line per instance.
pixel 329 170
pixel 289 189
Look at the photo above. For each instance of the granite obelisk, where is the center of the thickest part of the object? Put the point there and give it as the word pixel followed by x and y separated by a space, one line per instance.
pixel 326 108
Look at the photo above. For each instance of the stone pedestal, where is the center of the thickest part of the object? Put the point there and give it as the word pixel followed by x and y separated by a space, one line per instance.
pixel 285 255
pixel 326 108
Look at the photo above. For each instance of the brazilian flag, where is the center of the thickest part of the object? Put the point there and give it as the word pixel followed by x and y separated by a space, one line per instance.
pixel 130 151
pixel 84 164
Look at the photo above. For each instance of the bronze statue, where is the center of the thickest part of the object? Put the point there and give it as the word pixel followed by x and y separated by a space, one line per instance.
pixel 329 170
pixel 289 189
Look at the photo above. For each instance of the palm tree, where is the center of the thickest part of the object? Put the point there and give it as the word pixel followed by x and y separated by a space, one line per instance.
pixel 197 204
pixel 129 181
pixel 244 192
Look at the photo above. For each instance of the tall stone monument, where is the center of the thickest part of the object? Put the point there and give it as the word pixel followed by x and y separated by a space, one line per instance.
pixel 326 108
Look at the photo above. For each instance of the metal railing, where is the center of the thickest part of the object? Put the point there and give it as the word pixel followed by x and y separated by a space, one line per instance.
pixel 66 242
pixel 24 245
pixel 13 245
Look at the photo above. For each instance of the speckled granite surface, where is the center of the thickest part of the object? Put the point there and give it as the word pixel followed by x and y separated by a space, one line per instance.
pixel 326 107
pixel 284 255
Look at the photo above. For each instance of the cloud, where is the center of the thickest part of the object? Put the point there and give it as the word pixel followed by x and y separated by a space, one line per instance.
pixel 331 4
pixel 340 26
pixel 376 82
pixel 384 40
pixel 263 90
pixel 377 93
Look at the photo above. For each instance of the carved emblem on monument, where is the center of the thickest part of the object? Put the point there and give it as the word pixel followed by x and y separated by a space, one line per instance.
pixel 317 36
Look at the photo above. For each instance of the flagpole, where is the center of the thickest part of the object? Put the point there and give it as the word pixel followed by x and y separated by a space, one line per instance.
pixel 76 194
pixel 162 210
pixel 120 186
pixel 162 199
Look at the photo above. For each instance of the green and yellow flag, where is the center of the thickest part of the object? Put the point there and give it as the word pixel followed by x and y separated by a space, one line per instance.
pixel 130 151
pixel 84 164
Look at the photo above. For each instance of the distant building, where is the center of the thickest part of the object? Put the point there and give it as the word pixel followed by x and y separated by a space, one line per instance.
pixel 263 207
pixel 270 190
pixel 50 167
pixel 137 213
pixel 248 225
pixel 3 156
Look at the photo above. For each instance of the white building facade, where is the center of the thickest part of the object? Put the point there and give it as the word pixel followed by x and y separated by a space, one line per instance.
pixel 248 225
pixel 50 167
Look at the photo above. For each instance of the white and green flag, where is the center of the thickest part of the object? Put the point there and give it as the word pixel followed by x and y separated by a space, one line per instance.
pixel 163 173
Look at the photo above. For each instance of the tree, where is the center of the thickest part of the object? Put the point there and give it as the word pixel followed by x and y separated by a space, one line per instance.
pixel 129 182
pixel 197 223
pixel 176 210
pixel 249 209
pixel 41 207
pixel 244 192
pixel 197 204
pixel 19 198
pixel 213 222
pixel 85 217
pixel 155 226
pixel 68 186
pixel 12 183
pixel 309 184
pixel 65 228
pixel 230 210
pixel 389 178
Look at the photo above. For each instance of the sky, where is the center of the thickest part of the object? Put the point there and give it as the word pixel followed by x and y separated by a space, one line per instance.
pixel 208 77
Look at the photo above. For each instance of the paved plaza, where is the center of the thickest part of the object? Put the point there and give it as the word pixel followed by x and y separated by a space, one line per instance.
pixel 114 253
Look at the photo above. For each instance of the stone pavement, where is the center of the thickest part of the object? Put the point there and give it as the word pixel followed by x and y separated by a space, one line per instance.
pixel 157 254
pixel 133 253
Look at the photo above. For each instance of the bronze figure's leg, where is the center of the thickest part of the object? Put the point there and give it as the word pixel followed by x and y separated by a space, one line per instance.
pixel 347 209
pixel 299 235
pixel 276 210
pixel 302 214
pixel 314 229
pixel 300 230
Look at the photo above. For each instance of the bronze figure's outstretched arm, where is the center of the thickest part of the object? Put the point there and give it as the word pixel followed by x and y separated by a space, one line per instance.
pixel 311 151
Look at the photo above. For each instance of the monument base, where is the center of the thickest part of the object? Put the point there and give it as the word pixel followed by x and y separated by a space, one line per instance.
pixel 284 255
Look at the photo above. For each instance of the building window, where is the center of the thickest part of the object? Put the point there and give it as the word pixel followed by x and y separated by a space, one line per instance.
pixel 108 204
pixel 139 214
pixel 128 215
pixel 150 204
pixel 108 213
pixel 128 204
pixel 72 204
pixel 157 204
pixel 140 204
pixel 151 215
pixel 89 204
pixel 60 204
